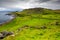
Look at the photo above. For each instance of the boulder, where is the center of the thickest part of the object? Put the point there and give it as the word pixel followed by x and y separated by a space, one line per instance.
pixel 1 36
pixel 5 34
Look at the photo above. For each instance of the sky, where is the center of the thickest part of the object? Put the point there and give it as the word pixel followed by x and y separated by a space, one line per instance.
pixel 26 4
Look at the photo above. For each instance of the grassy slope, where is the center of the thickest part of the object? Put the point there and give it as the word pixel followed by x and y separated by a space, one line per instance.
pixel 35 18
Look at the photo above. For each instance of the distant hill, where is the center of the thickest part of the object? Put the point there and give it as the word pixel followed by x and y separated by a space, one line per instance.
pixel 57 10
pixel 37 11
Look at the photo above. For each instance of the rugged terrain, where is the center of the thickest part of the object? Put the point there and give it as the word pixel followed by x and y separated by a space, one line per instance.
pixel 34 24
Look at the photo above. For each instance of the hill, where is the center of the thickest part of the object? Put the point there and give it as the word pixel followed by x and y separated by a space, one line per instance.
pixel 34 24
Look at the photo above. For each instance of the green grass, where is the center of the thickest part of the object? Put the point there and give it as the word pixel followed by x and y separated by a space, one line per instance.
pixel 52 32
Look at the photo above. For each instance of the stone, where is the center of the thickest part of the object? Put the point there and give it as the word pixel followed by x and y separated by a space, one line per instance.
pixel 9 33
pixel 1 36
pixel 35 27
pixel 5 34
pixel 57 23
pixel 13 35
pixel 19 29
pixel 43 27
pixel 26 26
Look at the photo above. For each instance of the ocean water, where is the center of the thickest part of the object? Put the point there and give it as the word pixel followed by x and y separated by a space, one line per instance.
pixel 4 17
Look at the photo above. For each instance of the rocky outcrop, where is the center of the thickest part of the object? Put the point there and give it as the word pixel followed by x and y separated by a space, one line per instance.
pixel 33 27
pixel 5 34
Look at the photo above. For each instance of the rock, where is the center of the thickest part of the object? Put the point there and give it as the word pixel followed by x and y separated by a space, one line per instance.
pixel 1 36
pixel 57 23
pixel 43 27
pixel 13 35
pixel 9 33
pixel 8 14
pixel 5 34
pixel 19 29
pixel 35 27
pixel 26 26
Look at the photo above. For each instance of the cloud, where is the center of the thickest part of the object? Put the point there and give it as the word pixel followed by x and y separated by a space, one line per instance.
pixel 50 5
pixel 9 9
pixel 25 4
pixel 14 3
pixel 3 9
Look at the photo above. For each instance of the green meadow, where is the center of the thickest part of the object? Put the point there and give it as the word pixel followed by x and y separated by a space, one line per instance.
pixel 34 24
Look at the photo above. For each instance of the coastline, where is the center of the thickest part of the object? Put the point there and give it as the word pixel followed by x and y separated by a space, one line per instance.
pixel 8 20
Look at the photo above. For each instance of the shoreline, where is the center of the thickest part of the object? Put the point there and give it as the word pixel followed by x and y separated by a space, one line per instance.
pixel 8 20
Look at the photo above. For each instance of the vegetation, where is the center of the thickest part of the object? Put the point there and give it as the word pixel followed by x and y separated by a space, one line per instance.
pixel 34 24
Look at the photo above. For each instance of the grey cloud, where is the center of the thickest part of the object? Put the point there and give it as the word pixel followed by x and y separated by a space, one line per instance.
pixel 53 4
pixel 11 3
pixel 50 5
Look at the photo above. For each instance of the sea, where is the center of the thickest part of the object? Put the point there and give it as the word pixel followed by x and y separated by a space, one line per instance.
pixel 4 17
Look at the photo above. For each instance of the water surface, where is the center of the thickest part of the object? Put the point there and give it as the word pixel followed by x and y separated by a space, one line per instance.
pixel 4 17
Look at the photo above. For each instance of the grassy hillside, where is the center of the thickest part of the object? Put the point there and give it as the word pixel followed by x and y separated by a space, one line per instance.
pixel 34 24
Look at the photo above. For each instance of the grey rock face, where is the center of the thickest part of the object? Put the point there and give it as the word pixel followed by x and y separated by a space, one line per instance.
pixel 5 34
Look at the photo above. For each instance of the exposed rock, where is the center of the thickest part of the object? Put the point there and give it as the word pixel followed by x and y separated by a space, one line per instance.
pixel 13 35
pixel 57 23
pixel 36 27
pixel 1 36
pixel 8 14
pixel 19 29
pixel 26 26
pixel 43 27
pixel 5 34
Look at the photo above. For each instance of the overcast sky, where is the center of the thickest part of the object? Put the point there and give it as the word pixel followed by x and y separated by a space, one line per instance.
pixel 25 4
